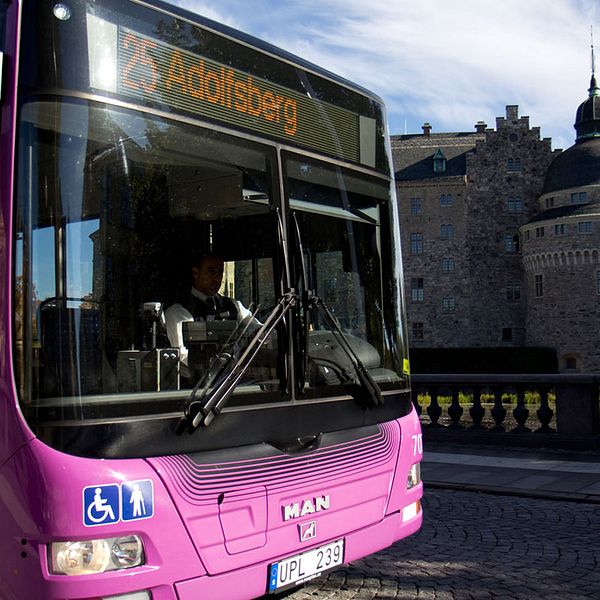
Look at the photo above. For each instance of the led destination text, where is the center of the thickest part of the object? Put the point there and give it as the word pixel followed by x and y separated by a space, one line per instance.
pixel 155 71
pixel 182 78
pixel 225 89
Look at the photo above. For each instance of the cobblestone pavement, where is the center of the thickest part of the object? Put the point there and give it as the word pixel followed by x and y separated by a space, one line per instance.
pixel 480 546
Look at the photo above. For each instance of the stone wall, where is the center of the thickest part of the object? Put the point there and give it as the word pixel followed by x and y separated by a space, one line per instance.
pixel 506 176
pixel 480 302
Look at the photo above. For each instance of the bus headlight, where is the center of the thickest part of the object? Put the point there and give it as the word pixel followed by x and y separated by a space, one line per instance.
pixel 414 476
pixel 96 556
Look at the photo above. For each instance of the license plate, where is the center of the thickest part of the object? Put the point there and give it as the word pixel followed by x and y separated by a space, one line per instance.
pixel 302 567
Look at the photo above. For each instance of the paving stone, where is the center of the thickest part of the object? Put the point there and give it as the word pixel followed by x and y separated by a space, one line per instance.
pixel 481 547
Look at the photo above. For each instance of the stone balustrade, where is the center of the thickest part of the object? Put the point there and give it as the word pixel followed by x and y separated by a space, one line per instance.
pixel 561 406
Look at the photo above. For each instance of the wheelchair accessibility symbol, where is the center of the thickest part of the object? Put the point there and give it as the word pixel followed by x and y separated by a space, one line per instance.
pixel 101 504
pixel 110 503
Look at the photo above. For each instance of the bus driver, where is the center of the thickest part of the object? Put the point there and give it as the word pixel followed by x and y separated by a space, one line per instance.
pixel 204 303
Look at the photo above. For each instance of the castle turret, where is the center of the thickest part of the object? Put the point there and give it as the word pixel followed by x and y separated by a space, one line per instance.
pixel 561 249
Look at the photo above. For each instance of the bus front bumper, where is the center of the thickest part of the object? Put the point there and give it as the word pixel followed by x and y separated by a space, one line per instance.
pixel 251 582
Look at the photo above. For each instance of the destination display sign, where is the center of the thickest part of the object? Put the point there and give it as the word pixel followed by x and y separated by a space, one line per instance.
pixel 153 70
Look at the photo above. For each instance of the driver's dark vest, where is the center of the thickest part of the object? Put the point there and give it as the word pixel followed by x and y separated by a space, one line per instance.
pixel 225 308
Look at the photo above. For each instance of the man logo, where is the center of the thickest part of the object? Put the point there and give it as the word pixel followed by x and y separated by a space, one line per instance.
pixel 308 531
pixel 305 507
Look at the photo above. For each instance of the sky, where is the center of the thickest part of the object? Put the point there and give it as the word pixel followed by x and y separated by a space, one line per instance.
pixel 448 63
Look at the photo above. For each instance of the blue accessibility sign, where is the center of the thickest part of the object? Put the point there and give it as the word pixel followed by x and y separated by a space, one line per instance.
pixel 137 500
pixel 105 504
pixel 101 504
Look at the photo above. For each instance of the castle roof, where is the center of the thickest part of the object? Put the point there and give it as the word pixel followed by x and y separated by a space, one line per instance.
pixel 573 210
pixel 577 166
pixel 414 154
pixel 587 118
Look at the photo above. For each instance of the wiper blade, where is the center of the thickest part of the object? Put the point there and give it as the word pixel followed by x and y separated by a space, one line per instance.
pixel 217 389
pixel 366 381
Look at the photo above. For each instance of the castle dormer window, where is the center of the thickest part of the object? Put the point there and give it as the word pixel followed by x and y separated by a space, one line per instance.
pixel 439 161
pixel 579 198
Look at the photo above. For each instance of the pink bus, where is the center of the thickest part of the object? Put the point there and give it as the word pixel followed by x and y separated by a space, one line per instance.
pixel 151 449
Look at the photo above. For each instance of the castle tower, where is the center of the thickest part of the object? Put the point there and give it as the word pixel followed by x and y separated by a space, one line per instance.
pixel 561 249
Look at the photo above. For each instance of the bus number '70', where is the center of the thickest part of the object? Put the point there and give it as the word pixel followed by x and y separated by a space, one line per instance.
pixel 417 439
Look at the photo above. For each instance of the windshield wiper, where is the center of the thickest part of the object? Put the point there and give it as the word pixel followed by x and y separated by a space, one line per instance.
pixel 210 394
pixel 302 317
pixel 371 396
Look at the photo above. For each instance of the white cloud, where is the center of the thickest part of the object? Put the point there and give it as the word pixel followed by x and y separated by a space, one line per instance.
pixel 449 63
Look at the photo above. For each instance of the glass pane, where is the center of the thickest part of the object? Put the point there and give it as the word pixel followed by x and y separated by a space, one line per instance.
pixel 115 210
pixel 342 219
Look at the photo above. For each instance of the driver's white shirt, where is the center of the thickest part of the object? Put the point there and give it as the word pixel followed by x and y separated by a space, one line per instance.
pixel 177 314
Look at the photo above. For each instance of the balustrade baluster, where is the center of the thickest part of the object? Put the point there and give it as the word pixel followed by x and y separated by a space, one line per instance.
pixel 455 410
pixel 520 413
pixel 544 413
pixel 434 410
pixel 498 411
pixel 477 411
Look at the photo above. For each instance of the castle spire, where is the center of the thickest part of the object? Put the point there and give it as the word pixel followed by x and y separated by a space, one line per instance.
pixel 587 119
pixel 594 89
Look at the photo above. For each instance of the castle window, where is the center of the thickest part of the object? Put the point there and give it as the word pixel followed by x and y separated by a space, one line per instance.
pixel 511 242
pixel 585 227
pixel 418 331
pixel 416 206
pixel 416 243
pixel 417 292
pixel 571 363
pixel 539 286
pixel 513 291
pixel 507 334
pixel 514 205
pixel 447 265
pixel 579 198
pixel 560 229
pixel 527 234
pixel 446 199
pixel 447 231
pixel 439 161
pixel 448 304
pixel 549 202
pixel 539 232
pixel 513 165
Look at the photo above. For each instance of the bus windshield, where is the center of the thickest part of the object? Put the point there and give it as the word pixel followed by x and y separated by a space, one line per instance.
pixel 129 189
pixel 114 205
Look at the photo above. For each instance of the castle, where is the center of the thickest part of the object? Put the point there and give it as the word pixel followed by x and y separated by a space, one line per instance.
pixel 501 237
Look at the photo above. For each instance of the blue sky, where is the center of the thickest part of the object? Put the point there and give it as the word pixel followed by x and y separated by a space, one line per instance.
pixel 449 63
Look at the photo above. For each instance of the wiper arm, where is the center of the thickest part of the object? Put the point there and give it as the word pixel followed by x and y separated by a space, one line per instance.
pixel 367 383
pixel 216 391
pixel 302 321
